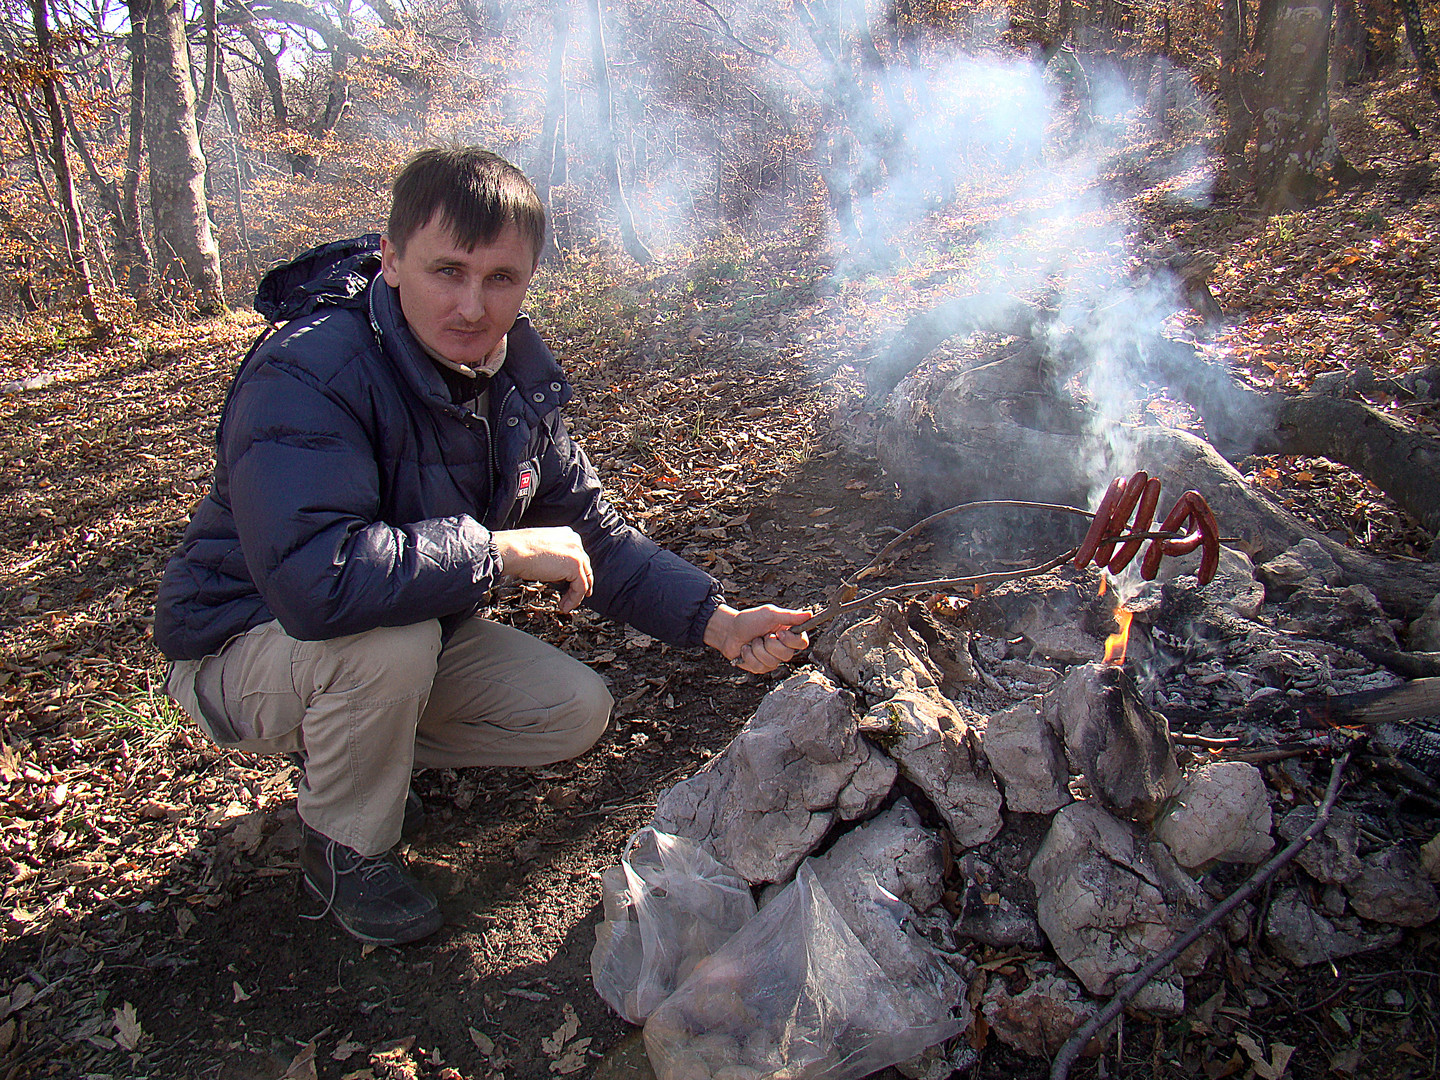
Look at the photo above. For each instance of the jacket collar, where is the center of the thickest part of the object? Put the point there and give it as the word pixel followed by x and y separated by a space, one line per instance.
pixel 530 368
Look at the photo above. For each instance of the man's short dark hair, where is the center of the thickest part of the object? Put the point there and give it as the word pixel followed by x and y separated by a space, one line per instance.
pixel 475 192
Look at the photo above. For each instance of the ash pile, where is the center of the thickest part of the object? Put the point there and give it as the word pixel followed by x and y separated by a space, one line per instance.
pixel 964 824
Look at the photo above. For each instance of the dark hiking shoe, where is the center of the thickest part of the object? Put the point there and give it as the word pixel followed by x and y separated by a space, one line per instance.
pixel 414 808
pixel 373 897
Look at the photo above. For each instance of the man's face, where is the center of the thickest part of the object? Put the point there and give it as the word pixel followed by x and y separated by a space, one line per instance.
pixel 459 303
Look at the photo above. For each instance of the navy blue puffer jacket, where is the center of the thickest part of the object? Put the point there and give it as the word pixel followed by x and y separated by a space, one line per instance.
pixel 350 493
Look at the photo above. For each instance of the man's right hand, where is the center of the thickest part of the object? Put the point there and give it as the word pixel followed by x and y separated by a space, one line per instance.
pixel 548 555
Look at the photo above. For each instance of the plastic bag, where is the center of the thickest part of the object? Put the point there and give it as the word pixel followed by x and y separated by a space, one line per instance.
pixel 794 994
pixel 668 905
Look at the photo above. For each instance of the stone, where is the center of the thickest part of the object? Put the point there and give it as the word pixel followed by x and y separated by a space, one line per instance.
pixel 1038 1019
pixel 1303 936
pixel 1109 902
pixel 939 1062
pixel 1234 584
pixel 769 799
pixel 1393 888
pixel 999 924
pixel 1221 812
pixel 1430 857
pixel 881 655
pixel 935 749
pixel 1423 635
pixel 1332 858
pixel 1351 614
pixel 879 876
pixel 1028 757
pixel 1305 563
pixel 947 647
pixel 1120 745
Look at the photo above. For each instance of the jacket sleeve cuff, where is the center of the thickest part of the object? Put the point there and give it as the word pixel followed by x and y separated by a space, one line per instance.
pixel 708 607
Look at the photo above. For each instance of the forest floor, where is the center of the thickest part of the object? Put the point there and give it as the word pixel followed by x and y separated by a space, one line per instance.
pixel 149 921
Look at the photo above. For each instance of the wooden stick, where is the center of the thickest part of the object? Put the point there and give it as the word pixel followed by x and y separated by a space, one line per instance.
pixel 1419 697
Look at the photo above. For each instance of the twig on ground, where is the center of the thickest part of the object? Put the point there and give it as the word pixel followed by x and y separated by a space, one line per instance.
pixel 1060 1068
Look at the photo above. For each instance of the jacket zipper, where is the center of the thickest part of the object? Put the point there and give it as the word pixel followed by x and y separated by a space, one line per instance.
pixel 490 437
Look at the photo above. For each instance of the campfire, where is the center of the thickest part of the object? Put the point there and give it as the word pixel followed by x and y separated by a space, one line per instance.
pixel 983 777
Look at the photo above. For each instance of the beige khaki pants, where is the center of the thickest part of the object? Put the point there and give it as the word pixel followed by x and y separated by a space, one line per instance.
pixel 367 709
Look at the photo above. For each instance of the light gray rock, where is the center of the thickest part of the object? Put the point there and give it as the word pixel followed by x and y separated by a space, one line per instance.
pixel 1423 634
pixel 1222 811
pixel 1306 562
pixel 1120 745
pixel 1300 934
pixel 1038 1019
pixel 1350 614
pixel 1063 642
pixel 936 751
pixel 1430 857
pixel 1029 758
pixel 1234 584
pixel 1333 857
pixel 1393 888
pixel 879 876
pixel 881 655
pixel 1109 902
pixel 32 382
pixel 940 1062
pixel 767 801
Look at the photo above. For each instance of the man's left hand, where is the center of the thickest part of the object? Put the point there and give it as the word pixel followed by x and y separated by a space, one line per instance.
pixel 758 639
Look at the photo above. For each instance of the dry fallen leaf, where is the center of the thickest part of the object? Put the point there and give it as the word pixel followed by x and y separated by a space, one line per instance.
pixel 302 1065
pixel 1271 1068
pixel 240 994
pixel 483 1042
pixel 573 1060
pixel 128 1032
pixel 563 1034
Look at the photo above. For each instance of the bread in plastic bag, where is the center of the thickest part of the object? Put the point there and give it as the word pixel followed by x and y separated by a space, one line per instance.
pixel 668 905
pixel 795 995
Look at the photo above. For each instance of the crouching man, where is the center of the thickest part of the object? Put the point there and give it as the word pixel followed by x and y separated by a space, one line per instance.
pixel 384 459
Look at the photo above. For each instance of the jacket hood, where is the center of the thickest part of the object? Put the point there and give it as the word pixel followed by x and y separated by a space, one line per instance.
pixel 334 273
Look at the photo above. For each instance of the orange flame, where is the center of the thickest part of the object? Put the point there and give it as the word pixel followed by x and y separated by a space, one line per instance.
pixel 1115 643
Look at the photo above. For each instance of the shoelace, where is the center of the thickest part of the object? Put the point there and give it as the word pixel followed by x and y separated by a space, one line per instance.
pixel 367 866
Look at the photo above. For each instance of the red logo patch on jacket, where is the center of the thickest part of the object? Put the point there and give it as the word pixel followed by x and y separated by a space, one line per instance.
pixel 526 484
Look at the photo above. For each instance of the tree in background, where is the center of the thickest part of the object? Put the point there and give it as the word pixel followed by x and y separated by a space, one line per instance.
pixel 186 255
pixel 68 205
pixel 265 126
pixel 1298 153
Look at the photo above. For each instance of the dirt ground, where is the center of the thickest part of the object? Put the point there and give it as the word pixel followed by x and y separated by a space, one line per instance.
pixel 150 922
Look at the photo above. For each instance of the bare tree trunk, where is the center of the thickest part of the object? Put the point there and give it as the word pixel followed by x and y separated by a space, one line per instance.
pixel 64 179
pixel 104 186
pixel 189 257
pixel 212 58
pixel 269 72
pixel 239 173
pixel 550 161
pixel 1351 48
pixel 133 247
pixel 1298 152
pixel 609 151
pixel 1420 46
pixel 338 98
pixel 1237 87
